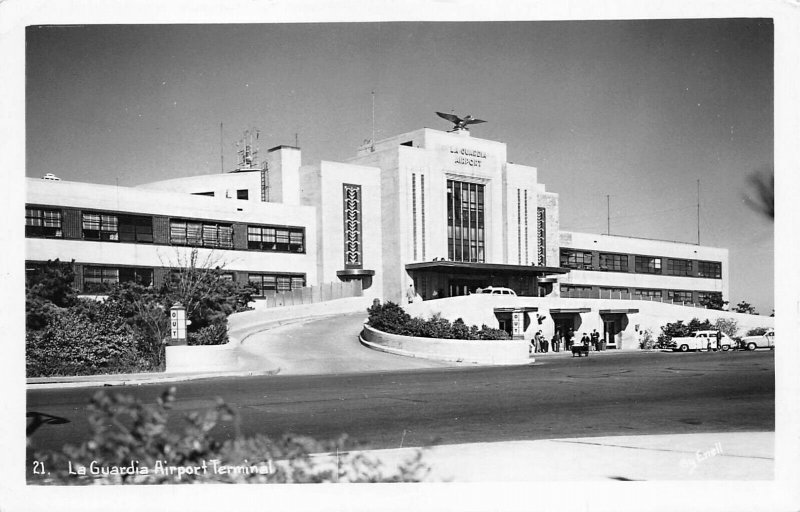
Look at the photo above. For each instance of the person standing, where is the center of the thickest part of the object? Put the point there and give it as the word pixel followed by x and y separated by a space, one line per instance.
pixel 545 342
pixel 555 342
pixel 570 339
pixel 719 340
pixel 595 336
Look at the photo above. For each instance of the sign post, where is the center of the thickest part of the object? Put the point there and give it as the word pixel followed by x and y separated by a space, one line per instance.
pixel 177 321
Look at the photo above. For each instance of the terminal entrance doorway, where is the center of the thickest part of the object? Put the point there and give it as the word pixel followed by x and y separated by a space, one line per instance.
pixel 610 333
pixel 465 286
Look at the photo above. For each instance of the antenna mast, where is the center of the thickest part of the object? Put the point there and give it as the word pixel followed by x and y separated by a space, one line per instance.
pixel 248 151
pixel 372 143
pixel 608 214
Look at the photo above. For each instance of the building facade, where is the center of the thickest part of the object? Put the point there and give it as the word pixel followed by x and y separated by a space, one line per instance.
pixel 429 213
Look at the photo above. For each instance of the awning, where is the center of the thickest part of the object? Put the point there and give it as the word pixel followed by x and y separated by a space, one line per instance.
pixel 461 267
pixel 355 272
pixel 569 310
pixel 524 309
pixel 618 311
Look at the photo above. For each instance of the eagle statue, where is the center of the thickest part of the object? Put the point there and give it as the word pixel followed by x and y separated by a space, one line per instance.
pixel 460 123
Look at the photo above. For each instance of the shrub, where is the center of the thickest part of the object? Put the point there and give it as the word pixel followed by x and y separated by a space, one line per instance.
pixel 82 341
pixel 123 430
pixel 214 334
pixel 648 341
pixel 490 333
pixel 388 317
pixel 392 319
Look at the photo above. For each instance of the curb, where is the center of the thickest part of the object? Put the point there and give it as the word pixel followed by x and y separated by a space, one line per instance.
pixel 131 380
pixel 434 357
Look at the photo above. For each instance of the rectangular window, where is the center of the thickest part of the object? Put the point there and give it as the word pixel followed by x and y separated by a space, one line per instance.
pixel 102 279
pixel 643 293
pixel 613 292
pixel 135 228
pixel 268 284
pixel 268 238
pixel 614 262
pixel 679 267
pixel 465 221
pixel 576 291
pixel 712 269
pixel 99 279
pixel 41 222
pixel 100 226
pixel 581 260
pixel 648 265
pixel 243 194
pixel 679 295
pixel 201 234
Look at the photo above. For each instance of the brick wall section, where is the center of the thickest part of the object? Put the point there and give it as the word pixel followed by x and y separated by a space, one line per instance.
pixel 240 236
pixel 72 224
pixel 160 230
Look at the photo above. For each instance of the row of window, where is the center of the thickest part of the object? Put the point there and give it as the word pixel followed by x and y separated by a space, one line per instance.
pixel 42 222
pixel 642 293
pixel 582 260
pixel 100 280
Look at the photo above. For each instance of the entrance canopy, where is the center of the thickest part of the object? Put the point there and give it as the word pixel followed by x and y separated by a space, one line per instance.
pixel 461 267
pixel 435 279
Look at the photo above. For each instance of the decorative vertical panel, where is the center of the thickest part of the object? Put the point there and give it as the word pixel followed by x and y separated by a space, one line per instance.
pixel 519 232
pixel 422 210
pixel 526 228
pixel 353 254
pixel 414 210
pixel 541 234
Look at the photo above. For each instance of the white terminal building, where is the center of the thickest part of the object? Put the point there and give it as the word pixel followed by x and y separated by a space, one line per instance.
pixel 442 212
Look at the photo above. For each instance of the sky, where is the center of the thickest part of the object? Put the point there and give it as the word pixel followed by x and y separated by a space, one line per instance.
pixel 637 110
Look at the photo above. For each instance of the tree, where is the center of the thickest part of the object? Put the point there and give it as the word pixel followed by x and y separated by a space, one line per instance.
pixel 714 301
pixel 728 326
pixel 47 287
pixel 745 307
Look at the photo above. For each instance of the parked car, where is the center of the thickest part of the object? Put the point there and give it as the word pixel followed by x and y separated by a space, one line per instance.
pixel 497 290
pixel 766 340
pixel 699 340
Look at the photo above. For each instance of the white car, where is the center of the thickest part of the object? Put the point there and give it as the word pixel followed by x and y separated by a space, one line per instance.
pixel 496 290
pixel 700 340
pixel 766 340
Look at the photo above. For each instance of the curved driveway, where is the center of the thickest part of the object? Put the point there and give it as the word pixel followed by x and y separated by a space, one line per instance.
pixel 320 346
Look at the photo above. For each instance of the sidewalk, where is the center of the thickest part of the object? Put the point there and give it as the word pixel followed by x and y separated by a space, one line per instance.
pixel 712 456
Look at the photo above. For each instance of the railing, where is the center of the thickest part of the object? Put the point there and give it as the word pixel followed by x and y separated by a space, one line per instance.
pixel 607 294
pixel 313 294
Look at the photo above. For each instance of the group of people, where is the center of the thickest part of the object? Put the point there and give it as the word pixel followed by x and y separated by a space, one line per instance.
pixel 540 343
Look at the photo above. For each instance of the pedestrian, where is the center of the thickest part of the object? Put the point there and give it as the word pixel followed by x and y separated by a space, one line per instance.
pixel 595 336
pixel 570 339
pixel 537 340
pixel 719 339
pixel 554 342
pixel 410 293
pixel 543 341
pixel 585 341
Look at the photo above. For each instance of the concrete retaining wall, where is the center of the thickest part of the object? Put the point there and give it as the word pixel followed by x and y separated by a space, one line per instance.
pixel 201 358
pixel 468 351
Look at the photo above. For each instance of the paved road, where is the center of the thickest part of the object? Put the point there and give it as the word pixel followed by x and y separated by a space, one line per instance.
pixel 326 345
pixel 607 394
